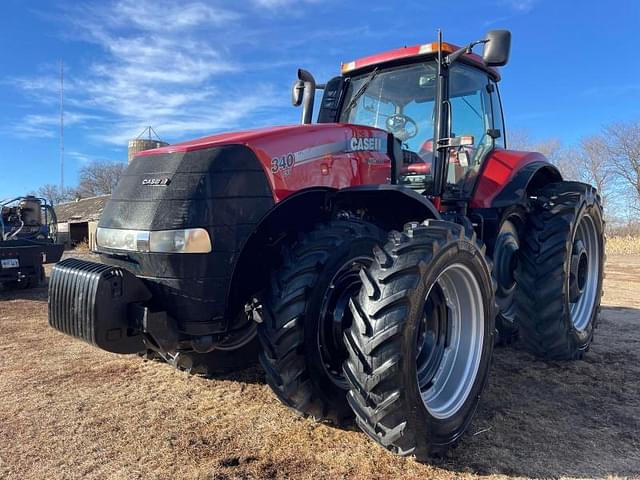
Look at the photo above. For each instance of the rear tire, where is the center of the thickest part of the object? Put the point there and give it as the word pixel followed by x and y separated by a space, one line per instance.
pixel 505 257
pixel 306 313
pixel 561 271
pixel 422 337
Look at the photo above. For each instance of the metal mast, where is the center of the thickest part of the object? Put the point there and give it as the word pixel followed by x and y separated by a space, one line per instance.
pixel 61 126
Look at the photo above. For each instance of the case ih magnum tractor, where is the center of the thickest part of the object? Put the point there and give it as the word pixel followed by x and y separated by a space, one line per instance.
pixel 372 253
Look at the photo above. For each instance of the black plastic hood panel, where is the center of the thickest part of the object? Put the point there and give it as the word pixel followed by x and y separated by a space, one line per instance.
pixel 211 187
pixel 222 189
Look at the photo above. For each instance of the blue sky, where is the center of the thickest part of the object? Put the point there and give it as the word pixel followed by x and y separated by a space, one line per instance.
pixel 194 67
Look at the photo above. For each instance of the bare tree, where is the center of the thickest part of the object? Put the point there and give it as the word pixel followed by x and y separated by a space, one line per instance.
pixel 54 195
pixel 99 178
pixel 551 148
pixel 623 145
pixel 595 164
pixel 568 162
pixel 589 162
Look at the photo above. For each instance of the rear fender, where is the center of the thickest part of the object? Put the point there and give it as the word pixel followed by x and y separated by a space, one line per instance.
pixel 526 182
pixel 507 187
pixel 508 177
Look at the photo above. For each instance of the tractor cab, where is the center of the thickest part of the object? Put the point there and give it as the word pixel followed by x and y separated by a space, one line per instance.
pixel 441 104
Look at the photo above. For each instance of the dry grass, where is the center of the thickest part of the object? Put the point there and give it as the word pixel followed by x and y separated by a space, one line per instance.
pixel 70 411
pixel 623 245
pixel 81 247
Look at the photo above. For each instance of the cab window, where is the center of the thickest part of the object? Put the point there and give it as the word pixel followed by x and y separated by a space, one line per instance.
pixel 471 116
pixel 372 111
pixel 399 100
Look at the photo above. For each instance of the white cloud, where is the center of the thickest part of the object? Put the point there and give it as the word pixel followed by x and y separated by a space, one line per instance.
pixel 78 156
pixel 163 15
pixel 160 65
pixel 522 6
pixel 273 4
pixel 46 126
pixel 207 117
pixel 35 126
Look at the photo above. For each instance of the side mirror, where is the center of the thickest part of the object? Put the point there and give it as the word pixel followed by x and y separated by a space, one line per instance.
pixel 497 47
pixel 297 90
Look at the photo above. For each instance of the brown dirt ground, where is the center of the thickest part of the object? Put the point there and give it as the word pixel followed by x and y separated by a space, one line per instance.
pixel 68 411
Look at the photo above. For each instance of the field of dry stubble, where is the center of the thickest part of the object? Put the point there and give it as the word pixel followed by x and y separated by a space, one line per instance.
pixel 68 411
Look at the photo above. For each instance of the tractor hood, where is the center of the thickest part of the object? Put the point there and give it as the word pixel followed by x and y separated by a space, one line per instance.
pixel 244 137
pixel 282 139
pixel 161 187
pixel 299 156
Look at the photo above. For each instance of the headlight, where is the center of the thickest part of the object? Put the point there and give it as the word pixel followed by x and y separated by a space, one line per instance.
pixel 190 240
pixel 130 240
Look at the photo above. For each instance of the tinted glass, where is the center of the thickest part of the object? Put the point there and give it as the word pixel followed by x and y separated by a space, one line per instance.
pixel 471 115
pixel 401 101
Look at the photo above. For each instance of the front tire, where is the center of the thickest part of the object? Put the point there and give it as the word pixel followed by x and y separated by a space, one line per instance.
pixel 421 341
pixel 561 271
pixel 306 313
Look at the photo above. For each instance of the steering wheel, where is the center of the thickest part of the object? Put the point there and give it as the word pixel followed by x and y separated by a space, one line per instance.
pixel 402 127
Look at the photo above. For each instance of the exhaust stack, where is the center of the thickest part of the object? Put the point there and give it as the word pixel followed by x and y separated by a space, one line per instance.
pixel 304 93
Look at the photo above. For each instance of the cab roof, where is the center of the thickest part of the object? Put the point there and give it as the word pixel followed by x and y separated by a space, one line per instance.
pixel 406 54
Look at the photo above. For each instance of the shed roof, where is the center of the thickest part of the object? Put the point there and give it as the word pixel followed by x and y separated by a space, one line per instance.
pixel 82 210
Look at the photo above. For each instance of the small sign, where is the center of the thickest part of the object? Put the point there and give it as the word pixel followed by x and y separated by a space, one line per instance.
pixel 10 263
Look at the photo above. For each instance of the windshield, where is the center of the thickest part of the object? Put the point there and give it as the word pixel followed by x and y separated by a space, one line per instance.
pixel 399 100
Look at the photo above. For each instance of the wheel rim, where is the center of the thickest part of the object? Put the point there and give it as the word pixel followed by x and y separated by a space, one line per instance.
pixel 506 261
pixel 584 272
pixel 450 341
pixel 335 317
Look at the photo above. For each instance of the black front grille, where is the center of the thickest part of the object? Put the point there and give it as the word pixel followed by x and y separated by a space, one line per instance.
pixel 91 301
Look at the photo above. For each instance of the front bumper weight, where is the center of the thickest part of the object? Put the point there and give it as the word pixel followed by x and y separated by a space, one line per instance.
pixel 92 301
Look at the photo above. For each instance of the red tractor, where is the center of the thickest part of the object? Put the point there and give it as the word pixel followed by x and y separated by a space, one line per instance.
pixel 367 259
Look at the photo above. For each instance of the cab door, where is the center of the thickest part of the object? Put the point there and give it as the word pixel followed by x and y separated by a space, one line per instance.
pixel 474 110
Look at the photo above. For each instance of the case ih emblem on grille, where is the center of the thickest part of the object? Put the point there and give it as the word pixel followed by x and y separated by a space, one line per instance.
pixel 156 181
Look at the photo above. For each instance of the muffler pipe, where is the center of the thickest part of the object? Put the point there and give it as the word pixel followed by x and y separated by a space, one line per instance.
pixel 308 95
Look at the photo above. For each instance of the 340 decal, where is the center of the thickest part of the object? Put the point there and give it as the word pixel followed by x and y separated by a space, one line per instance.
pixel 283 164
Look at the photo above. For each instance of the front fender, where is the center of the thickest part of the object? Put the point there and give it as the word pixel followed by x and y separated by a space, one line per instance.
pixel 393 205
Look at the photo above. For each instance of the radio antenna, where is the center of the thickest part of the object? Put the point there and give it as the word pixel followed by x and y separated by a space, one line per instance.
pixel 61 126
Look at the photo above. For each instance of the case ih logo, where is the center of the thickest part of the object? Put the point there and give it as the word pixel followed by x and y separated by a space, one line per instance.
pixel 156 181
pixel 366 143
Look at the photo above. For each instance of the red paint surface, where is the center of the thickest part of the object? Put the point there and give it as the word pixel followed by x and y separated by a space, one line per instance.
pixel 344 168
pixel 499 168
pixel 340 169
pixel 414 51
pixel 228 138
